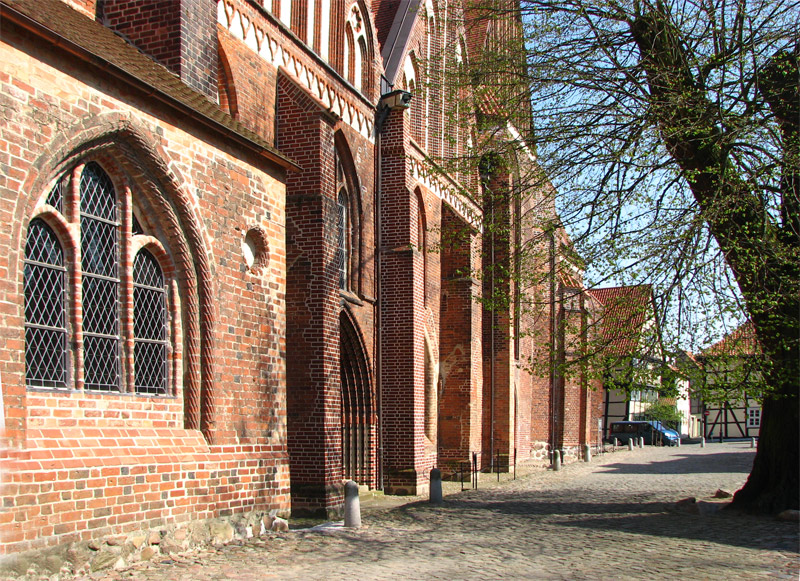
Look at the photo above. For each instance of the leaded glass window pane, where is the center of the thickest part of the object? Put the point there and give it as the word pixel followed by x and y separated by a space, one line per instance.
pixel 146 270
pixel 98 198
pixel 99 262
pixel 56 196
pixel 150 367
pixel 149 325
pixel 341 240
pixel 98 247
pixel 101 363
pixel 43 245
pixel 45 329
pixel 100 306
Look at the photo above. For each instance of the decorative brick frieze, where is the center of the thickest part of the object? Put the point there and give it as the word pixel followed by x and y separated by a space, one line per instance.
pixel 246 24
pixel 445 188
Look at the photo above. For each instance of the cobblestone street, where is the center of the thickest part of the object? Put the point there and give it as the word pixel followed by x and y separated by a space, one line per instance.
pixel 613 518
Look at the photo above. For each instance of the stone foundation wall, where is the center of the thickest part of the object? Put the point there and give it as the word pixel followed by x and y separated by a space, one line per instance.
pixel 145 544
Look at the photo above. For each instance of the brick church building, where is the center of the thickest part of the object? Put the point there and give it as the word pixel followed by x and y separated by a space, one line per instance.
pixel 238 270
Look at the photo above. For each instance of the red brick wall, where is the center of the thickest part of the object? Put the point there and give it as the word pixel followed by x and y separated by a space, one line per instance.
pixel 460 360
pixel 180 34
pixel 402 318
pixel 314 423
pixel 298 123
pixel 81 464
pixel 498 349
pixel 253 82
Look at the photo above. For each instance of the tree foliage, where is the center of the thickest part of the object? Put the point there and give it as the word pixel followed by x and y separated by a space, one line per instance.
pixel 670 130
pixel 665 413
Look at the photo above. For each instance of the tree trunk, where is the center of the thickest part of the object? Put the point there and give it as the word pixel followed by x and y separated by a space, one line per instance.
pixel 774 482
pixel 761 253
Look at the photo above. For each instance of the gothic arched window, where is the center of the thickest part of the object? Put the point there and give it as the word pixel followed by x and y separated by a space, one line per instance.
pixel 99 263
pixel 118 297
pixel 45 314
pixel 355 56
pixel 149 325
pixel 342 239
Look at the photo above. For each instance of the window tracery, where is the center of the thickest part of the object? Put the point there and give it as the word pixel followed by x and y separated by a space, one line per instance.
pixel 97 290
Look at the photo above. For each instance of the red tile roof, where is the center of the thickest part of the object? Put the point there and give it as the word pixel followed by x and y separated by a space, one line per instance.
pixel 96 45
pixel 625 311
pixel 742 341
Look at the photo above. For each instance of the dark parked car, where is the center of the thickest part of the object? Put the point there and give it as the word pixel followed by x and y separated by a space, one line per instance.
pixel 653 432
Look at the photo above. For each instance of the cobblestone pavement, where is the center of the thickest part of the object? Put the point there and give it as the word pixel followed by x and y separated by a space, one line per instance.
pixel 613 518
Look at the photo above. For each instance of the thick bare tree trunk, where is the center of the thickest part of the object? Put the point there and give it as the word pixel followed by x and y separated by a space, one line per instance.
pixel 762 254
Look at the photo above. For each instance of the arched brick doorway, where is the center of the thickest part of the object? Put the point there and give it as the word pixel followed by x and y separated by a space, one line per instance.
pixel 359 417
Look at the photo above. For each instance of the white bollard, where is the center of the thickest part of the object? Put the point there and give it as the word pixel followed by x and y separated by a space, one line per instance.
pixel 630 444
pixel 352 506
pixel 436 486
pixel 641 442
pixel 556 461
pixel 702 442
pixel 752 442
pixel 587 453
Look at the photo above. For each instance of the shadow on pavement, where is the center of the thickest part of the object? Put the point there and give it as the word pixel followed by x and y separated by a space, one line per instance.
pixel 719 462
pixel 617 517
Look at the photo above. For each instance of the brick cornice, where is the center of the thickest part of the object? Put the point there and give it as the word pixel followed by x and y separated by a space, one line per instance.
pixel 427 173
pixel 287 53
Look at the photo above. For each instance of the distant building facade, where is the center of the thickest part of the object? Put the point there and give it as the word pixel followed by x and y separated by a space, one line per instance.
pixel 629 343
pixel 728 387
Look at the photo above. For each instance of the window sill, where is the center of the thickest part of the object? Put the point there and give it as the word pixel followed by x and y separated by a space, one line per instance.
pixel 96 392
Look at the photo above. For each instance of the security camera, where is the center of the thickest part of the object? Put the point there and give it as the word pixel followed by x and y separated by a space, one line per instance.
pixel 397 98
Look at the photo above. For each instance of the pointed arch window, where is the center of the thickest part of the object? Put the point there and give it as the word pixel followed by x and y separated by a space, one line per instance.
pixel 149 325
pixel 342 236
pixel 45 313
pixel 422 246
pixel 120 301
pixel 99 263
pixel 356 50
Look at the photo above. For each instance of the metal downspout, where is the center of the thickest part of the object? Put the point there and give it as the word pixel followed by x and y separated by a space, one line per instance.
pixel 553 344
pixel 491 340
pixel 378 304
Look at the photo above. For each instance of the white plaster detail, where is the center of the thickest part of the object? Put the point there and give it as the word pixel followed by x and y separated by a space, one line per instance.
pixel 310 14
pixel 250 39
pixel 432 180
pixel 236 26
pixel 429 9
pixel 268 48
pixel 409 72
pixel 223 13
pixel 325 30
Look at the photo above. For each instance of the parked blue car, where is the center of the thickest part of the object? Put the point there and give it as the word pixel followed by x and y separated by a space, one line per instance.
pixel 653 432
pixel 668 436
